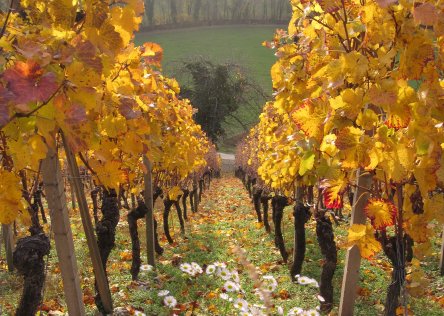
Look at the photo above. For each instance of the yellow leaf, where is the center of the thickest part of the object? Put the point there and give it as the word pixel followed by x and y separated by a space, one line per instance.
pixel 307 162
pixel 310 119
pixel 349 103
pixel 10 197
pixel 417 226
pixel 113 126
pixel 109 173
pixel 364 237
pixel 174 193
pixel 425 174
pixel 381 212
pixel 434 207
pixel 328 145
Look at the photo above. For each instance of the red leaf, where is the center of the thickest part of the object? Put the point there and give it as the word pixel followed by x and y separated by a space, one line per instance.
pixel 5 97
pixel 426 14
pixel 385 3
pixel 87 53
pixel 30 48
pixel 75 114
pixel 331 201
pixel 329 6
pixel 127 108
pixel 29 83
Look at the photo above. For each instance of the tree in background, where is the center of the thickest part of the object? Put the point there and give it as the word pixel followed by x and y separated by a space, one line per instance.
pixel 186 12
pixel 220 92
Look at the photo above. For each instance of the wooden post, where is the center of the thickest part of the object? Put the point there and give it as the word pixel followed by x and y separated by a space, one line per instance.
pixel 99 271
pixel 9 245
pixel 353 257
pixel 441 259
pixel 73 195
pixel 148 197
pixel 55 195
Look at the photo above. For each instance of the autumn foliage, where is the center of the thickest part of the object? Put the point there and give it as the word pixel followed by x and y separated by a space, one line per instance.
pixel 73 68
pixel 358 87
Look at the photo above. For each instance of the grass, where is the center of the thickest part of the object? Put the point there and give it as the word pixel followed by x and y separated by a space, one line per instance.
pixel 239 44
pixel 225 219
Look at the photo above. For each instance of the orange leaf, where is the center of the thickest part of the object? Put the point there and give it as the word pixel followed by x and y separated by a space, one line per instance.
pixel 381 212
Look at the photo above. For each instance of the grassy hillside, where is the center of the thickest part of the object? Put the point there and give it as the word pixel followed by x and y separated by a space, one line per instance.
pixel 239 44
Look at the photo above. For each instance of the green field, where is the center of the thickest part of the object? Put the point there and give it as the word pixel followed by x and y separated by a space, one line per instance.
pixel 239 44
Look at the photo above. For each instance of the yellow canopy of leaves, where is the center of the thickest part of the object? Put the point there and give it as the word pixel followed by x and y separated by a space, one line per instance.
pixel 73 67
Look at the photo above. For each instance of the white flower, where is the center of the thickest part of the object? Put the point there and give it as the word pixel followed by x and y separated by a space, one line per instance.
pixel 163 293
pixel 270 283
pixel 295 311
pixel 259 294
pixel 235 276
pixel 224 274
pixel 197 269
pixel 321 299
pixel 230 286
pixel 210 269
pixel 220 265
pixel 241 304
pixel 146 267
pixel 311 312
pixel 245 314
pixel 303 280
pixel 170 301
pixel 224 296
pixel 139 313
pixel 186 267
pixel 280 310
pixel 256 311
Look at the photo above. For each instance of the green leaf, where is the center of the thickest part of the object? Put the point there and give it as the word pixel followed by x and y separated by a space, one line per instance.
pixel 307 162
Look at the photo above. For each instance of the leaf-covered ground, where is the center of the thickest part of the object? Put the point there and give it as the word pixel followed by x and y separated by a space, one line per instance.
pixel 225 222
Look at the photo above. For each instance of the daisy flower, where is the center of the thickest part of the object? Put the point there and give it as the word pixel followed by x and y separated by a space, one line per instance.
pixel 270 283
pixel 224 274
pixel 186 267
pixel 241 304
pixel 230 286
pixel 295 311
pixel 235 276
pixel 280 310
pixel 170 301
pixel 311 312
pixel 139 313
pixel 259 294
pixel 256 311
pixel 197 269
pixel 303 280
pixel 211 269
pixel 146 267
pixel 221 265
pixel 224 296
pixel 163 293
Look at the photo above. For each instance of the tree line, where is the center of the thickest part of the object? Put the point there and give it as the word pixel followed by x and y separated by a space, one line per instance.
pixel 160 13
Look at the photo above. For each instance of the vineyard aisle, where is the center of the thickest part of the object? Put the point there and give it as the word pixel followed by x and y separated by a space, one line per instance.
pixel 226 219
